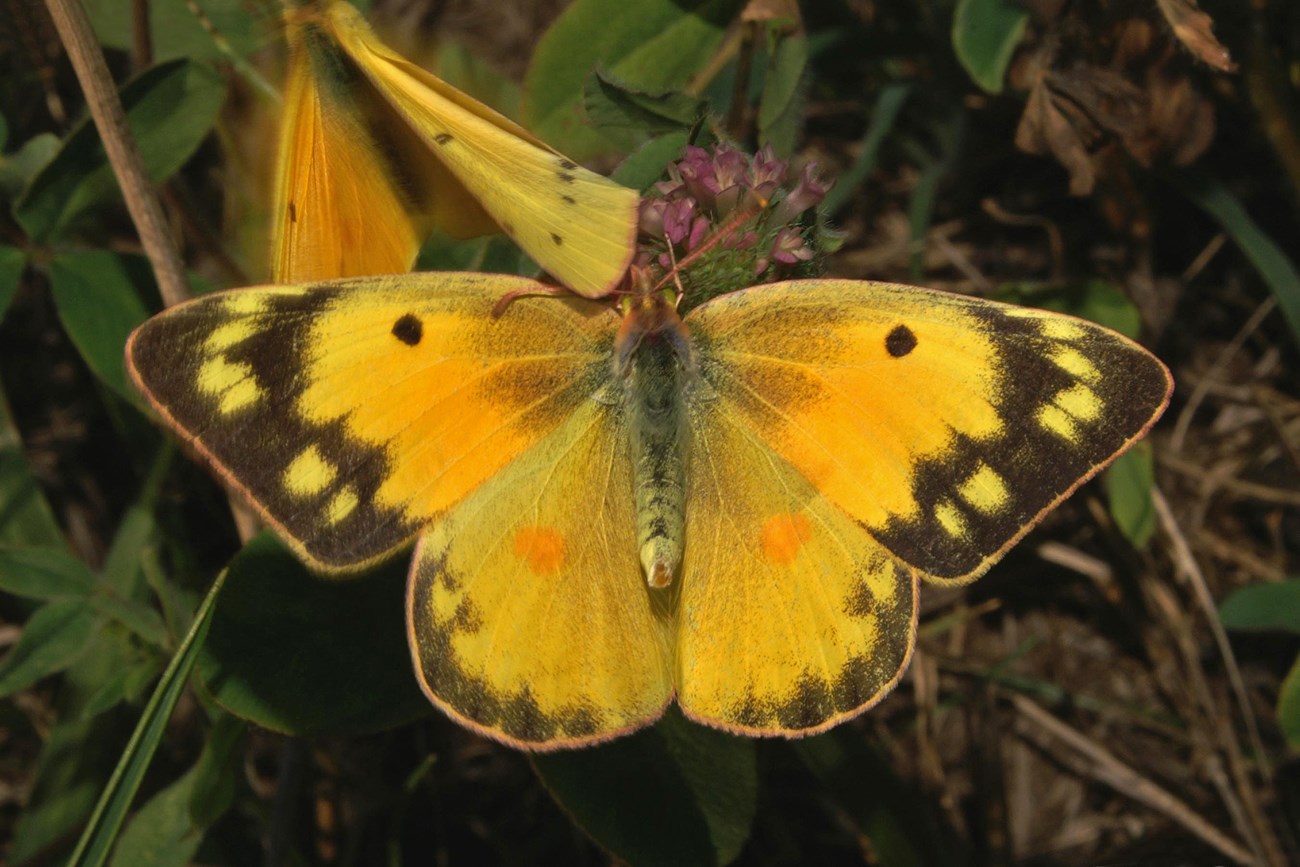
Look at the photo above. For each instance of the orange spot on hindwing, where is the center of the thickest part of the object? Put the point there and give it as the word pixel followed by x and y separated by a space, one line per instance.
pixel 783 535
pixel 542 548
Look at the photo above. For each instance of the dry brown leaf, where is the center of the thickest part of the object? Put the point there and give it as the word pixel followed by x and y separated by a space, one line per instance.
pixel 1195 29
pixel 1045 129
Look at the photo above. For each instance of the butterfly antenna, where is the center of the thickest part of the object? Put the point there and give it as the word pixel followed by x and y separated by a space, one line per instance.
pixel 532 291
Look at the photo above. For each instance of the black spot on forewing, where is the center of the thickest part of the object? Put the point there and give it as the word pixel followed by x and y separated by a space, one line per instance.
pixel 566 177
pixel 1035 465
pixel 443 138
pixel 568 165
pixel 568 200
pixel 900 341
pixel 408 329
pixel 556 239
pixel 293 213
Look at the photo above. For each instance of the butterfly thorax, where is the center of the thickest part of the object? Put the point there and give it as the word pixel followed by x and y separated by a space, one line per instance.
pixel 652 359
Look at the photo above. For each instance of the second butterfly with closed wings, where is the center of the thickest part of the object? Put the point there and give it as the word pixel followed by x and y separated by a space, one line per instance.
pixel 616 507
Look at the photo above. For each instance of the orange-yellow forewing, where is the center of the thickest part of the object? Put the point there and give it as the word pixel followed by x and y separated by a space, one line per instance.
pixel 352 412
pixel 945 425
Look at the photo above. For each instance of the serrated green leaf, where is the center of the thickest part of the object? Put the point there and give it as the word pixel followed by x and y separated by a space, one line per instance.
pixel 44 573
pixel 985 34
pixel 652 45
pixel 628 116
pixel 98 296
pixel 1263 607
pixel 692 802
pixel 1129 482
pixel 1288 706
pixel 301 654
pixel 12 263
pixel 170 109
pixel 53 638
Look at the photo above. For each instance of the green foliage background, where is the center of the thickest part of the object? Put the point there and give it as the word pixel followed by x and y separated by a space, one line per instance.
pixel 212 707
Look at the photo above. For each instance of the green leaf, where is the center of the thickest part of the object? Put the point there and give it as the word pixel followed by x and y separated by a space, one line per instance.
pixel 894 819
pixel 651 45
pixel 18 169
pixel 218 770
pixel 1288 706
pixel 675 794
pixel 25 515
pixel 176 31
pixel 170 109
pixel 780 108
pixel 1270 260
pixel 1265 607
pixel 889 103
pixel 12 263
pixel 102 829
pixel 161 834
pixel 168 830
pixel 44 573
pixel 628 116
pixel 97 294
pixel 53 638
pixel 301 654
pixel 985 34
pixel 74 762
pixel 1129 482
pixel 646 164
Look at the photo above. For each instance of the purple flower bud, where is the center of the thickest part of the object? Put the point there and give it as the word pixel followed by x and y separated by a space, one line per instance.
pixel 766 173
pixel 677 219
pixel 699 229
pixel 651 217
pixel 789 247
pixel 808 193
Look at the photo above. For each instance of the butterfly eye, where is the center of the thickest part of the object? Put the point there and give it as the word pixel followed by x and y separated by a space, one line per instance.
pixel 900 341
pixel 408 329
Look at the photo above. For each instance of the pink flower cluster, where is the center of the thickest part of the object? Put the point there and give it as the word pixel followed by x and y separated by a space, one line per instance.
pixel 710 189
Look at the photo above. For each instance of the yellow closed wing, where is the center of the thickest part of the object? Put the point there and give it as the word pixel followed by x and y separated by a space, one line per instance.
pixel 577 225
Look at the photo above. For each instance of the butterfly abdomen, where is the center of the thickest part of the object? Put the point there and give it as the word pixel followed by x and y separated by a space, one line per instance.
pixel 653 401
